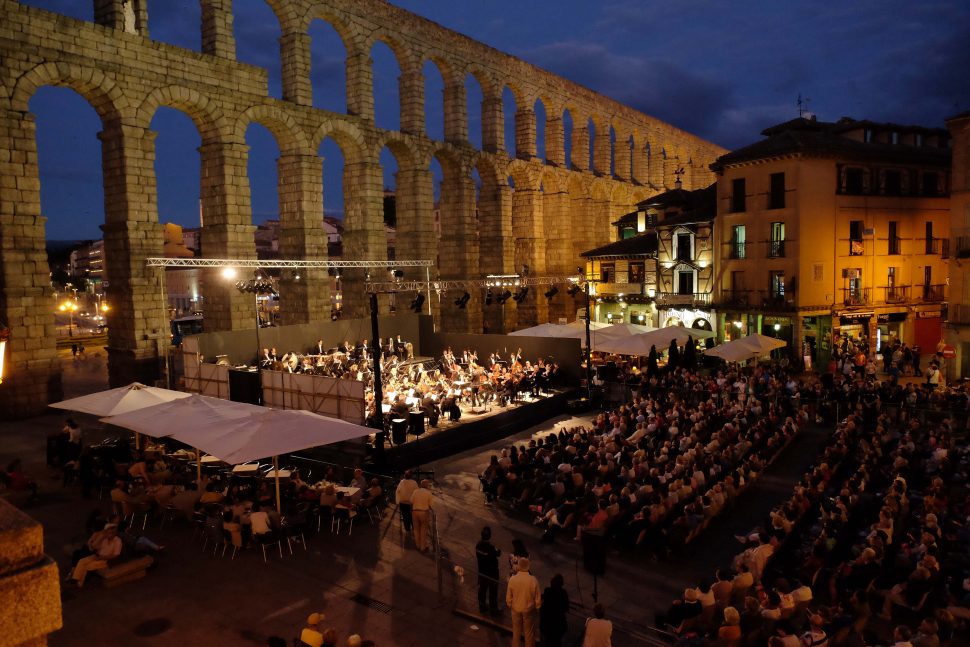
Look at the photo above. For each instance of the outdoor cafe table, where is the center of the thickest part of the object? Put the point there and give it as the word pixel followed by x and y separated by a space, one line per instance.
pixel 348 491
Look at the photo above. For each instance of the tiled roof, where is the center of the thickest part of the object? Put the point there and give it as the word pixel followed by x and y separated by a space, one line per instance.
pixel 642 245
pixel 817 138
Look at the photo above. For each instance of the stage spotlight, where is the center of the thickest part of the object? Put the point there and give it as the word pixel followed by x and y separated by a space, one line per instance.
pixel 417 303
pixel 462 301
pixel 573 290
pixel 488 298
pixel 397 273
pixel 521 294
pixel 551 292
pixel 502 298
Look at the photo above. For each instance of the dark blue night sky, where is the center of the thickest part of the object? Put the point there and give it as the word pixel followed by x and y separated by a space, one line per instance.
pixel 722 70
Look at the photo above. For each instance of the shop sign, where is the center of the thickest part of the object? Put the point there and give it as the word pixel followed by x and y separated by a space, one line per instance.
pixel 892 317
pixel 855 318
pixel 949 352
pixel 929 314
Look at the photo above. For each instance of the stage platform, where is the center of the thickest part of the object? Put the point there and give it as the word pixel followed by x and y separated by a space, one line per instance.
pixel 476 429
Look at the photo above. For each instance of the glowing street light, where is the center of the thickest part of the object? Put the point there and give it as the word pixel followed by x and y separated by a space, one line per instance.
pixel 70 307
pixel 229 273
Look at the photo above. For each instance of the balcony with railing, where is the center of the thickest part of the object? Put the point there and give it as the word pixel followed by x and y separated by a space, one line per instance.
pixel 933 293
pixel 857 247
pixel 677 299
pixel 774 301
pixel 776 249
pixel 737 250
pixel 857 296
pixel 895 246
pixel 938 246
pixel 895 293
pixel 737 298
pixel 962 246
pixel 958 313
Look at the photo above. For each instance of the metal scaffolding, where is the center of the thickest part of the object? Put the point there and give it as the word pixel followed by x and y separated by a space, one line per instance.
pixel 443 285
pixel 254 263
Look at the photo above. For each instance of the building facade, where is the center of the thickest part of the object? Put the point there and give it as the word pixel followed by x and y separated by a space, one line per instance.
pixel 957 327
pixel 835 229
pixel 660 270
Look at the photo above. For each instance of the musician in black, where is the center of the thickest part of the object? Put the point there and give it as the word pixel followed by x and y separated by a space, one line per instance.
pixel 319 349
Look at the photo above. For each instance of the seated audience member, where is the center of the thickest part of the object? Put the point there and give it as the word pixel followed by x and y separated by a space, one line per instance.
pixel 104 548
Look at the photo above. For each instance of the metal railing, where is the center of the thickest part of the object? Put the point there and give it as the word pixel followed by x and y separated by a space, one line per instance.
pixel 895 246
pixel 737 297
pixel 737 250
pixel 459 584
pixel 934 293
pixel 961 247
pixel 857 297
pixel 676 298
pixel 958 313
pixel 896 293
pixel 776 249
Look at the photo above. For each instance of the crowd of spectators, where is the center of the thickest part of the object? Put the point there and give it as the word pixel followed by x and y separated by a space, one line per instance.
pixel 872 548
pixel 872 530
pixel 655 471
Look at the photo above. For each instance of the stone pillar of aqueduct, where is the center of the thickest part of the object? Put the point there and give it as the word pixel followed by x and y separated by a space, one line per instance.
pixel 551 209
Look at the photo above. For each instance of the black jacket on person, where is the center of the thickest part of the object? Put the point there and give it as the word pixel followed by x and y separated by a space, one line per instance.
pixel 487 555
pixel 552 613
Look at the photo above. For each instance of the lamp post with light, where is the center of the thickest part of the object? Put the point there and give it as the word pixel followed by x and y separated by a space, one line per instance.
pixel 70 307
pixel 256 286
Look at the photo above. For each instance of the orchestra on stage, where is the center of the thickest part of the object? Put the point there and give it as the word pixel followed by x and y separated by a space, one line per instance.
pixel 418 390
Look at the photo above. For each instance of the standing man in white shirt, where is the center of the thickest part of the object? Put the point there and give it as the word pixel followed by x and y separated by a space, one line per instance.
pixel 421 501
pixel 402 496
pixel 523 599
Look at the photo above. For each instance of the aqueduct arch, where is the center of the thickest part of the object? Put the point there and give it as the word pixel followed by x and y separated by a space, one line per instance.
pixel 126 76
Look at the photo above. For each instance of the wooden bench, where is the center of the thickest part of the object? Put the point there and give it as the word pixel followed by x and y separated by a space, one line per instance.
pixel 124 572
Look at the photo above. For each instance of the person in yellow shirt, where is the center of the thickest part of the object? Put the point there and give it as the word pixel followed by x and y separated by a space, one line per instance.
pixel 311 635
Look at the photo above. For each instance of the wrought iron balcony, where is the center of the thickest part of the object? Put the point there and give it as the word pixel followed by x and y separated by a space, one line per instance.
pixel 896 293
pixel 857 297
pixel 934 293
pixel 735 297
pixel 776 249
pixel 677 299
pixel 958 313
pixel 962 247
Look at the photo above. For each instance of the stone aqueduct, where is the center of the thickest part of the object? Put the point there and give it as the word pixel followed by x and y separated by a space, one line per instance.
pixel 555 210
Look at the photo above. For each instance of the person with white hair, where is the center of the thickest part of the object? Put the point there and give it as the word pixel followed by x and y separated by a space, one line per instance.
pixel 523 599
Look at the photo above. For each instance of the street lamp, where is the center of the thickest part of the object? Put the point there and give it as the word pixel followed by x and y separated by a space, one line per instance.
pixel 589 345
pixel 255 286
pixel 70 307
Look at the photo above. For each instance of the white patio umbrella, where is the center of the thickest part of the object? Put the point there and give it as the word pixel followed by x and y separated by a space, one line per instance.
pixel 741 350
pixel 192 420
pixel 660 338
pixel 542 330
pixel 120 400
pixel 237 432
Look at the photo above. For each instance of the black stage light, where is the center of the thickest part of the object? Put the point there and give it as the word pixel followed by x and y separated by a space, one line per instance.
pixel 551 292
pixel 417 303
pixel 521 294
pixel 573 290
pixel 488 298
pixel 502 298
